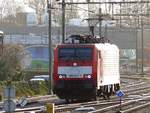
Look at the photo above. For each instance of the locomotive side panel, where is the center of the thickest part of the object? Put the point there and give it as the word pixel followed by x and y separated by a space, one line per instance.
pixel 109 69
pixel 108 77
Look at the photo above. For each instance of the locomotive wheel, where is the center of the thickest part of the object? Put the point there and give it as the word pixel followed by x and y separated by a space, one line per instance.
pixel 104 97
pixel 106 94
pixel 118 87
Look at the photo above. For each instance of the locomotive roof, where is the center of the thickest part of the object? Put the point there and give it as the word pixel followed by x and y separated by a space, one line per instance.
pixel 75 44
pixel 97 45
pixel 86 39
pixel 107 46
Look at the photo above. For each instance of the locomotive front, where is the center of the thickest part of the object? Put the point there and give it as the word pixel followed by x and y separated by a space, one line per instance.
pixel 74 76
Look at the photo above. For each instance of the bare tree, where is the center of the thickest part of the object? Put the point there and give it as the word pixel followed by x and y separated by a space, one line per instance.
pixel 70 12
pixel 8 10
pixel 10 62
pixel 8 7
pixel 39 6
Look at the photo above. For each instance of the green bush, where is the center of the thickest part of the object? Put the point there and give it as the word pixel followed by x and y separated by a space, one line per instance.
pixel 26 89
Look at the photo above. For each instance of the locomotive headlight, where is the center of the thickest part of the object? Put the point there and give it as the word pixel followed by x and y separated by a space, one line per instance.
pixel 60 76
pixel 89 76
pixel 74 64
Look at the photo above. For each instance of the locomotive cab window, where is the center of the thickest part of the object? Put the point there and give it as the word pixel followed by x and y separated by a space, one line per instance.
pixel 75 53
pixel 84 53
pixel 66 53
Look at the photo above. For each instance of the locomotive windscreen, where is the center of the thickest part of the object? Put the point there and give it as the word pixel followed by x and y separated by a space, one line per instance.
pixel 75 53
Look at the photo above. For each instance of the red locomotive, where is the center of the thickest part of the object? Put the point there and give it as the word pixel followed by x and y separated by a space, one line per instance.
pixel 85 69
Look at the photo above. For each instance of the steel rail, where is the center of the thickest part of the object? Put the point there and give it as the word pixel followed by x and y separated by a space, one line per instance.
pixel 32 100
pixel 69 108
pixel 73 106
pixel 136 108
pixel 61 108
pixel 131 90
pixel 123 104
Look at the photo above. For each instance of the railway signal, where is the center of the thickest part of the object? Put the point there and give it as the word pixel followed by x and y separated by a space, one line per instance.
pixel 9 106
pixel 9 95
pixel 120 94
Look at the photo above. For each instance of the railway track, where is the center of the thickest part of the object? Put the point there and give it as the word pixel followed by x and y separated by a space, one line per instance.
pixel 71 107
pixel 126 106
pixel 131 94
pixel 137 109
pixel 107 107
pixel 134 91
pixel 34 101
pixel 101 107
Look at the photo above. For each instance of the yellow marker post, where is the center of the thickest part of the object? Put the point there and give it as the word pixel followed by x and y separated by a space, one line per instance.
pixel 50 107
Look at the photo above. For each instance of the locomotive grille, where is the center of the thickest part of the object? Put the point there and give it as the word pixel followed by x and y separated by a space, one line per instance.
pixel 74 76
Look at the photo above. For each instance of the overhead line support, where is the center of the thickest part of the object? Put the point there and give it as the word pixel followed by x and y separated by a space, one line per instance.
pixel 125 2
